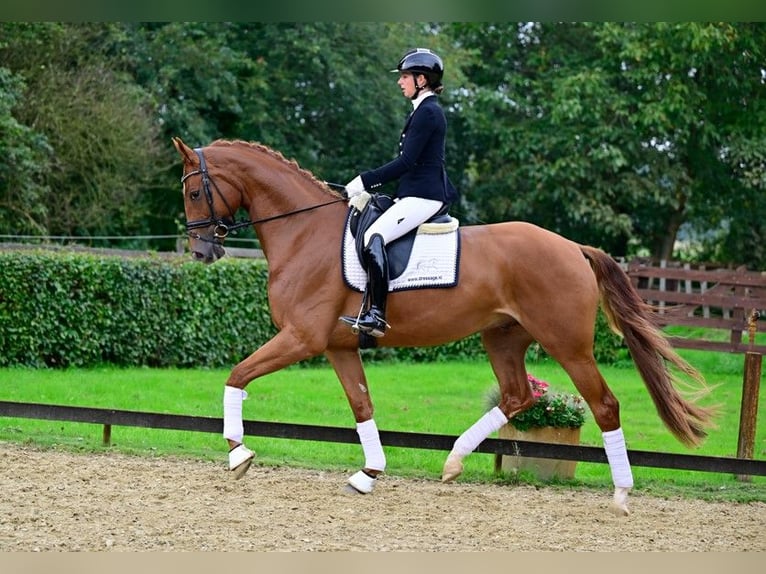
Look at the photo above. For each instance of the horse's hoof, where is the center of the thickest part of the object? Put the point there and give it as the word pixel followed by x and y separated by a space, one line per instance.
pixel 362 482
pixel 240 459
pixel 240 471
pixel 348 489
pixel 619 510
pixel 619 505
pixel 453 468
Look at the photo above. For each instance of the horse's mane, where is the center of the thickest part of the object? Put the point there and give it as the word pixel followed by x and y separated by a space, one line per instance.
pixel 280 157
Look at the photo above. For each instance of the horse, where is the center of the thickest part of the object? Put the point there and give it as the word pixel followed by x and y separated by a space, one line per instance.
pixel 519 283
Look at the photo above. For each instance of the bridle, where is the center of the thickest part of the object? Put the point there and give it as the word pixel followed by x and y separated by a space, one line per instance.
pixel 222 226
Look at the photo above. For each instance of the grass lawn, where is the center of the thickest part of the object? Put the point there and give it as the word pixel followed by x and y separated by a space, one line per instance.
pixel 441 398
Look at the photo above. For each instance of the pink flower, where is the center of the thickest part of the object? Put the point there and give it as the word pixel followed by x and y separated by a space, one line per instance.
pixel 538 387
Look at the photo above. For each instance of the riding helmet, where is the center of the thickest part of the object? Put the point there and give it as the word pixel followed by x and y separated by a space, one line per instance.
pixel 423 61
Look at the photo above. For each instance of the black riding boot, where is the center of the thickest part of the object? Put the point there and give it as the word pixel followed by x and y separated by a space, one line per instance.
pixel 373 320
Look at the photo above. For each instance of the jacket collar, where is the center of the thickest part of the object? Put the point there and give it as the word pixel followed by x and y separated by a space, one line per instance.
pixel 423 95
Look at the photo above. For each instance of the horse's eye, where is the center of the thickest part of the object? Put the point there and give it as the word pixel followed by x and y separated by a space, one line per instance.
pixel 194 194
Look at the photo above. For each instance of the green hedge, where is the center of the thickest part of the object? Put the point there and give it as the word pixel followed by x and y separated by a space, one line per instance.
pixel 74 309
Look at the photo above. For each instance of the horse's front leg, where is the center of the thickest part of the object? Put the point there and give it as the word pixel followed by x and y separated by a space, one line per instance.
pixel 348 366
pixel 284 349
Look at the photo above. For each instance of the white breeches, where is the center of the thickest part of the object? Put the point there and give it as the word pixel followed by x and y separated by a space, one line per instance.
pixel 403 216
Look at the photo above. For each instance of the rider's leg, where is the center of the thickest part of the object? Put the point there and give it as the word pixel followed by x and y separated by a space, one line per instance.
pixel 373 321
pixel 403 216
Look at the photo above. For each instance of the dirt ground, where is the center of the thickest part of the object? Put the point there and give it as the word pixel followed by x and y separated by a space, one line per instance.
pixel 61 501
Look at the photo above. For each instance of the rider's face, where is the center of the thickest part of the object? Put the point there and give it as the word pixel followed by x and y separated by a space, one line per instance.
pixel 407 83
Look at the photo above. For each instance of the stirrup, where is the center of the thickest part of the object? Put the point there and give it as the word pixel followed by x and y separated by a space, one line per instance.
pixel 377 330
pixel 349 320
pixel 354 321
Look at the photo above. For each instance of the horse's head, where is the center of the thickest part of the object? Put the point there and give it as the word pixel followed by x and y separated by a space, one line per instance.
pixel 209 205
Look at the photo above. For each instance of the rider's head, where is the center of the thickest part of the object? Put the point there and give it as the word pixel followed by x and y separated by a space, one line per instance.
pixel 422 61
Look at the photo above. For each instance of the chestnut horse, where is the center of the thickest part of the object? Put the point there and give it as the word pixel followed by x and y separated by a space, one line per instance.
pixel 518 283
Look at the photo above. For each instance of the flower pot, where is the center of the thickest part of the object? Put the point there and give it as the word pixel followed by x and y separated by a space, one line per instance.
pixel 543 468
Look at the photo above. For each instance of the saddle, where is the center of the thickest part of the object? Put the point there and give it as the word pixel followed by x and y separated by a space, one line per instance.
pixel 399 250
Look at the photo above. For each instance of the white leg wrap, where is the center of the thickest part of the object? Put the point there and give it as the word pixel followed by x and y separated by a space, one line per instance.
pixel 492 421
pixel 233 429
pixel 374 459
pixel 617 455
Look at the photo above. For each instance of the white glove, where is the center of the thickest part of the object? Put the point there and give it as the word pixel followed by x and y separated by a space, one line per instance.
pixel 354 187
pixel 359 201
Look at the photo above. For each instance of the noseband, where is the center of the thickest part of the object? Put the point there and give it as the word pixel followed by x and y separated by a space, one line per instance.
pixel 222 226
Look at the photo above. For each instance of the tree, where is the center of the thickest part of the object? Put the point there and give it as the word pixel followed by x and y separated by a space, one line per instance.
pixel 101 133
pixel 324 94
pixel 623 135
pixel 528 159
pixel 617 134
pixel 24 158
pixel 699 105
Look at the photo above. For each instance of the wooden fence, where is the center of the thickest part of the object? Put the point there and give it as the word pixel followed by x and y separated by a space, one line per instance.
pixel 109 417
pixel 715 299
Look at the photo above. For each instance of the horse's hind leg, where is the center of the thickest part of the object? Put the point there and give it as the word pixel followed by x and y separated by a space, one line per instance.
pixel 505 347
pixel 606 412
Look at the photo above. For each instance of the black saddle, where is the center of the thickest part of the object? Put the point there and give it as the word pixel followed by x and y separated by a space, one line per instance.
pixel 399 250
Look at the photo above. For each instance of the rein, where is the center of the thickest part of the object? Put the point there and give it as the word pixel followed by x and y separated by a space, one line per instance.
pixel 225 225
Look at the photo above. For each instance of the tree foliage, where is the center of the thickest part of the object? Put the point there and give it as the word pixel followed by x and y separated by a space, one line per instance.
pixel 629 136
pixel 24 157
pixel 102 136
pixel 618 134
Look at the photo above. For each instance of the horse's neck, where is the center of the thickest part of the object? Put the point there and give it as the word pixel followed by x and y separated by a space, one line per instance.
pixel 283 195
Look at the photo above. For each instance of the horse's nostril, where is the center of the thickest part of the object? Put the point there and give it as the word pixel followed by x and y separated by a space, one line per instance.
pixel 197 255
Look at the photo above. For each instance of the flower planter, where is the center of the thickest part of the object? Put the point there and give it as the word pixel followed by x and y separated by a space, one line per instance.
pixel 543 468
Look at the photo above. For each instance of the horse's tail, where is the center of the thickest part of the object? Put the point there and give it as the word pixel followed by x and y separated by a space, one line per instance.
pixel 629 316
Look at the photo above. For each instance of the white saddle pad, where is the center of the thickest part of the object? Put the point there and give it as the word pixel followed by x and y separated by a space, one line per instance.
pixel 433 262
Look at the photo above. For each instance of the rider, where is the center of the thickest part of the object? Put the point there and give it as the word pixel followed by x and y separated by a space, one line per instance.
pixel 423 189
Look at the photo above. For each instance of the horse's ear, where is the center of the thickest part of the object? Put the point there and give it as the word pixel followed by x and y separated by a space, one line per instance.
pixel 186 152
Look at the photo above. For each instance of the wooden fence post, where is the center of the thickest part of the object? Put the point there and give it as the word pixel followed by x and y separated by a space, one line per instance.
pixel 751 385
